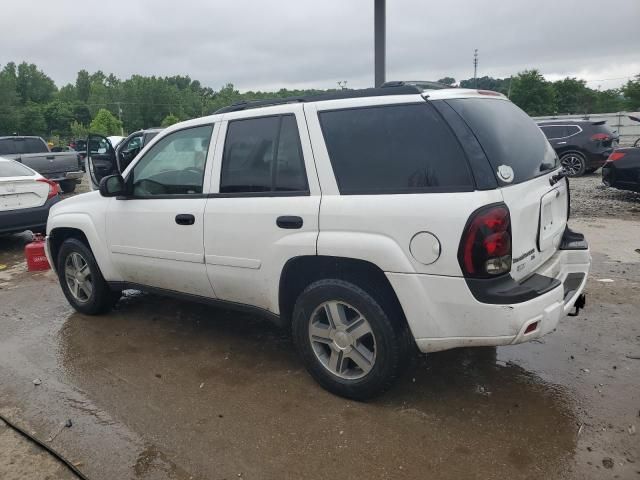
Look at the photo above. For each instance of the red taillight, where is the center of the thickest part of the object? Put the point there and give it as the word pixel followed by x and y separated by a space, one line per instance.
pixel 485 248
pixel 615 156
pixel 598 137
pixel 54 188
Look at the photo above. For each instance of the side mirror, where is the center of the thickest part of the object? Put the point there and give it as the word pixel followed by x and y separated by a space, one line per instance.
pixel 112 186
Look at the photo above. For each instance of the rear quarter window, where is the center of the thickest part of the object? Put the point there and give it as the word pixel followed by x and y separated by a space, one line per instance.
pixel 508 136
pixel 394 149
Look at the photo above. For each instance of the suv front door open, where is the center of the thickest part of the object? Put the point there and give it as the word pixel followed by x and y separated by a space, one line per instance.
pixel 101 159
pixel 266 208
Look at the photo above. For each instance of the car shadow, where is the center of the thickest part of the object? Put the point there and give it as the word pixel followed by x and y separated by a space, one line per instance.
pixel 174 370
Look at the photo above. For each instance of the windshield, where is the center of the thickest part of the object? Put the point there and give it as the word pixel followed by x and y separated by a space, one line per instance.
pixel 508 136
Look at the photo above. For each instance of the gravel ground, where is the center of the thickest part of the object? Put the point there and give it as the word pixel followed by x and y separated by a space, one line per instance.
pixel 590 198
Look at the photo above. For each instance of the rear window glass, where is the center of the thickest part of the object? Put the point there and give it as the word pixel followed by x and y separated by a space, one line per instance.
pixel 394 149
pixel 35 145
pixel 13 169
pixel 508 136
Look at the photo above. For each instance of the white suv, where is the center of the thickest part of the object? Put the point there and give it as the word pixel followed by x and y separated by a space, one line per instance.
pixel 368 221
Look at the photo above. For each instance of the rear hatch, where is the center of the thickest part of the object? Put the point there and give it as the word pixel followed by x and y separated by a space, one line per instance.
pixel 19 189
pixel 603 135
pixel 524 163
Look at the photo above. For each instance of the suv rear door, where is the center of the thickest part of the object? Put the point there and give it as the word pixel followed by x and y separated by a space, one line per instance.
pixel 264 209
pixel 523 162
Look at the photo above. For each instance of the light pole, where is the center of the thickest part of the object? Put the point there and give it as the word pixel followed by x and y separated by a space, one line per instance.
pixel 379 41
pixel 475 68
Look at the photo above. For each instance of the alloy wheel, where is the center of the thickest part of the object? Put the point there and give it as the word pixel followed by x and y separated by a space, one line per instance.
pixel 78 277
pixel 572 164
pixel 342 340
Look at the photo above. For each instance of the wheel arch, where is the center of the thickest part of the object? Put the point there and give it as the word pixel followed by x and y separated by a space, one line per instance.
pixel 80 226
pixel 299 272
pixel 571 149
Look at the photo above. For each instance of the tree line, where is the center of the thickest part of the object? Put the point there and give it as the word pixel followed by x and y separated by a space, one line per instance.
pixel 538 97
pixel 32 104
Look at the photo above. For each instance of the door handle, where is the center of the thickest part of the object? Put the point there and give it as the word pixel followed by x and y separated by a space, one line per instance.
pixel 185 219
pixel 51 157
pixel 289 222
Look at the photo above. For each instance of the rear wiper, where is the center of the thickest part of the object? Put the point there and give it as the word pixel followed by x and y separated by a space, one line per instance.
pixel 557 177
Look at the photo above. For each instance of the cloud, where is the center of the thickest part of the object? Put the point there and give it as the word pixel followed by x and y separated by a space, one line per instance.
pixel 305 43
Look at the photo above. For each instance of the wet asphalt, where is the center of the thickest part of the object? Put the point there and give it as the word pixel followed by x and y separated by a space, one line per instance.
pixel 164 389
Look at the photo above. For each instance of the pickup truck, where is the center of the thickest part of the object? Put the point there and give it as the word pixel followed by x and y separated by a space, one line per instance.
pixel 65 168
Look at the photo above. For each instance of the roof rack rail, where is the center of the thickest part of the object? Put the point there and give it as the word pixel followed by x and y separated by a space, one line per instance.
pixel 396 89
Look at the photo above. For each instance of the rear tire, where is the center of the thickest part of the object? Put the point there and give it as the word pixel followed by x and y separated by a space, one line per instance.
pixel 347 341
pixel 81 280
pixel 574 164
pixel 68 186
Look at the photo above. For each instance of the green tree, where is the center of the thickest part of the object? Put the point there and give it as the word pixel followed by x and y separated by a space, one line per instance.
pixel 447 80
pixel 78 130
pixel 573 96
pixel 32 120
pixel 58 116
pixel 607 101
pixel 81 113
pixel 105 123
pixel 33 85
pixel 532 93
pixel 487 83
pixel 9 100
pixel 169 120
pixel 83 86
pixel 631 91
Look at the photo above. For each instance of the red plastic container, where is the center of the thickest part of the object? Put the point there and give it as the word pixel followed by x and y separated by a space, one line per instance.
pixel 34 252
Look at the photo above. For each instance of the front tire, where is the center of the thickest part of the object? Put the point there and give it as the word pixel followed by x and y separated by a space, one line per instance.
pixel 574 164
pixel 81 280
pixel 347 341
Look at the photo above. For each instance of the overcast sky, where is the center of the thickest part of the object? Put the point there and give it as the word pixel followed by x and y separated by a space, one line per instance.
pixel 305 43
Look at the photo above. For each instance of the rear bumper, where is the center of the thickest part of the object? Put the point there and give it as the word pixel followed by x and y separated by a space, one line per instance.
pixel 598 158
pixel 13 221
pixel 443 313
pixel 62 176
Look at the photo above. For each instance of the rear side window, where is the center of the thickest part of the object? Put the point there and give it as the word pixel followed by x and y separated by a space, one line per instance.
pixel 508 136
pixel 572 129
pixel 555 131
pixel 263 155
pixel 14 169
pixel 394 149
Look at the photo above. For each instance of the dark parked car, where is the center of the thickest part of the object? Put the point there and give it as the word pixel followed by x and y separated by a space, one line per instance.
pixel 622 169
pixel 124 152
pixel 582 145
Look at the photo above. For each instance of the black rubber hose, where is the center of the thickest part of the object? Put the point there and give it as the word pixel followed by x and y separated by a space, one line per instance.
pixel 24 433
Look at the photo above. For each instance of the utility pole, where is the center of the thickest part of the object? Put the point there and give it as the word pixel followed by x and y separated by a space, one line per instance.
pixel 379 41
pixel 475 68
pixel 120 118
